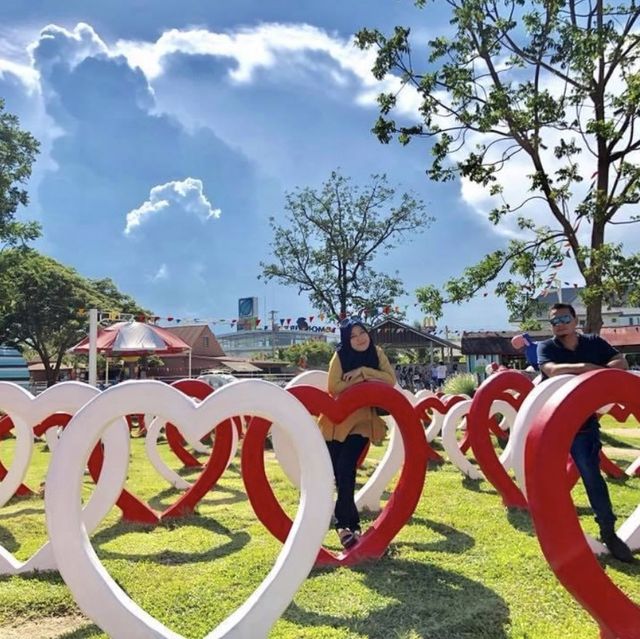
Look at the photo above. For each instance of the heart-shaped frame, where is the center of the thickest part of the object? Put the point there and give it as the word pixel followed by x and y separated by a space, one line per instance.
pixel 135 510
pixel 61 399
pixel 479 432
pixel 402 503
pixel 553 512
pixel 95 591
pixel 368 497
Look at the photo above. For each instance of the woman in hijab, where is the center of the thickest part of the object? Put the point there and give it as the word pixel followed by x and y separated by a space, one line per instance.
pixel 356 360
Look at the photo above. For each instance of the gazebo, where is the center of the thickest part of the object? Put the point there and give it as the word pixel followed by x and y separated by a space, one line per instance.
pixel 133 339
pixel 395 334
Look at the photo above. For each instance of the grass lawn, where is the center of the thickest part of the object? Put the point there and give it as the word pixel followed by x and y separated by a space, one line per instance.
pixel 464 567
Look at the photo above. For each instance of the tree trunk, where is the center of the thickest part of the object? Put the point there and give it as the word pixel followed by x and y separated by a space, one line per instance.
pixel 593 322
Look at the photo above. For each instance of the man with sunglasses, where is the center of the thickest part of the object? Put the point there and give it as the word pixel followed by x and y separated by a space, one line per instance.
pixel 572 353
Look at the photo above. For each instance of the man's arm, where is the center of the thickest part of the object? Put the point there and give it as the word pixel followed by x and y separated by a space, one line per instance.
pixel 618 361
pixel 551 369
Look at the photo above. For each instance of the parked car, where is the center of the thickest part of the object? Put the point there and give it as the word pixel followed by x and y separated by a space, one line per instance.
pixel 217 380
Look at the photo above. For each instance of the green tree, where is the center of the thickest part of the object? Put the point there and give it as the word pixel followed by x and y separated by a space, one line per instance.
pixel 315 354
pixel 555 82
pixel 43 305
pixel 18 150
pixel 331 237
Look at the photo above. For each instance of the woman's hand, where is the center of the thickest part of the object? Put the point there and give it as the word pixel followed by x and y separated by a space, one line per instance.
pixel 351 375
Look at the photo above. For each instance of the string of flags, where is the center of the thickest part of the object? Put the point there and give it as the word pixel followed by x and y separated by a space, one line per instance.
pixel 302 322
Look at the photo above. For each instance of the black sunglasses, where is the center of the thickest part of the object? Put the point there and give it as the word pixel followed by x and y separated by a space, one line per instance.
pixel 561 319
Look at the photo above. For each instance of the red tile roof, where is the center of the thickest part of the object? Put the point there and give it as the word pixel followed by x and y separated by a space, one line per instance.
pixel 623 336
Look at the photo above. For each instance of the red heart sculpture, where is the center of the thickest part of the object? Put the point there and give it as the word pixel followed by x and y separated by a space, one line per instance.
pixel 465 444
pixel 135 510
pixel 553 512
pixel 194 388
pixel 478 429
pixel 402 502
pixel 442 406
pixel 6 425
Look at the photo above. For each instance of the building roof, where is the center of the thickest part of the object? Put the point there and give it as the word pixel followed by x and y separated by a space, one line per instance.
pixel 39 366
pixel 569 295
pixel 625 336
pixel 496 342
pixel 192 334
pixel 241 367
pixel 499 342
pixel 392 332
pixel 13 367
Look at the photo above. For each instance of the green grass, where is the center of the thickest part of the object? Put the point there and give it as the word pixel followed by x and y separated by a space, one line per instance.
pixel 464 567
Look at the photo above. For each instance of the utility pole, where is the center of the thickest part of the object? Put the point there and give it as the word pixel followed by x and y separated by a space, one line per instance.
pixel 274 330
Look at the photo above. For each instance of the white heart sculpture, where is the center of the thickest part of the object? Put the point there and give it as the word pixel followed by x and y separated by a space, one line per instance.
pixel 437 420
pixel 453 418
pixel 368 497
pixel 633 467
pixel 531 405
pixel 96 592
pixel 27 411
pixel 51 436
pixel 151 447
pixel 508 413
pixel 282 447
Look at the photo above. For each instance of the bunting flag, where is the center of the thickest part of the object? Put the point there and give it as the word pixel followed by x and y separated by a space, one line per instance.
pixel 287 322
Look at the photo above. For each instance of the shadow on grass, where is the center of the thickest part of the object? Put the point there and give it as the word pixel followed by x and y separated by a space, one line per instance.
pixel 520 519
pixel 86 632
pixel 424 601
pixel 7 540
pixel 611 440
pixel 454 541
pixel 476 486
pixel 236 542
pixel 23 511
pixel 47 576
pixel 169 496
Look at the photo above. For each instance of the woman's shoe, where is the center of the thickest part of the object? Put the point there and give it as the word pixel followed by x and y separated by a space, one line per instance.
pixel 347 537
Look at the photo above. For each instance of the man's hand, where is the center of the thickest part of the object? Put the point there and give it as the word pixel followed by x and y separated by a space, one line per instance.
pixel 620 362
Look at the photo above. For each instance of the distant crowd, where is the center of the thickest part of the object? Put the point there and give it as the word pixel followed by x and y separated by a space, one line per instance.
pixel 415 377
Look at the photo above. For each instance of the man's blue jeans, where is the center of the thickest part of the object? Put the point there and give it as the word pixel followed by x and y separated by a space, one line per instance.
pixel 585 451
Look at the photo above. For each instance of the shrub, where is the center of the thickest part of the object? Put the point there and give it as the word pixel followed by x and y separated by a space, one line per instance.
pixel 461 384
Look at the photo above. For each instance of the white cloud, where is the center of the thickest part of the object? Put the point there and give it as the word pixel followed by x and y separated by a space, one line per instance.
pixel 29 77
pixel 187 195
pixel 56 44
pixel 161 274
pixel 265 47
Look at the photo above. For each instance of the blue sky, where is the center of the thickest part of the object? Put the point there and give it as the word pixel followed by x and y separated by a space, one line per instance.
pixel 171 132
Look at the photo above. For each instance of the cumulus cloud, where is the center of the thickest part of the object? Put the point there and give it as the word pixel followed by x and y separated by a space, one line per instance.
pixel 57 45
pixel 269 46
pixel 27 75
pixel 187 195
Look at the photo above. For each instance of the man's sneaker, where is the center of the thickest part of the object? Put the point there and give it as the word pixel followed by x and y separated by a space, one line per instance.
pixel 617 547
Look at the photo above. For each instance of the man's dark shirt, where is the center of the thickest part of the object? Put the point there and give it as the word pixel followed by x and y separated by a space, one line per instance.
pixel 591 349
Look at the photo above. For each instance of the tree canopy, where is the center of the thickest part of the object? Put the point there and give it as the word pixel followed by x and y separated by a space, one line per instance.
pixel 43 305
pixel 330 238
pixel 312 354
pixel 553 83
pixel 18 150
